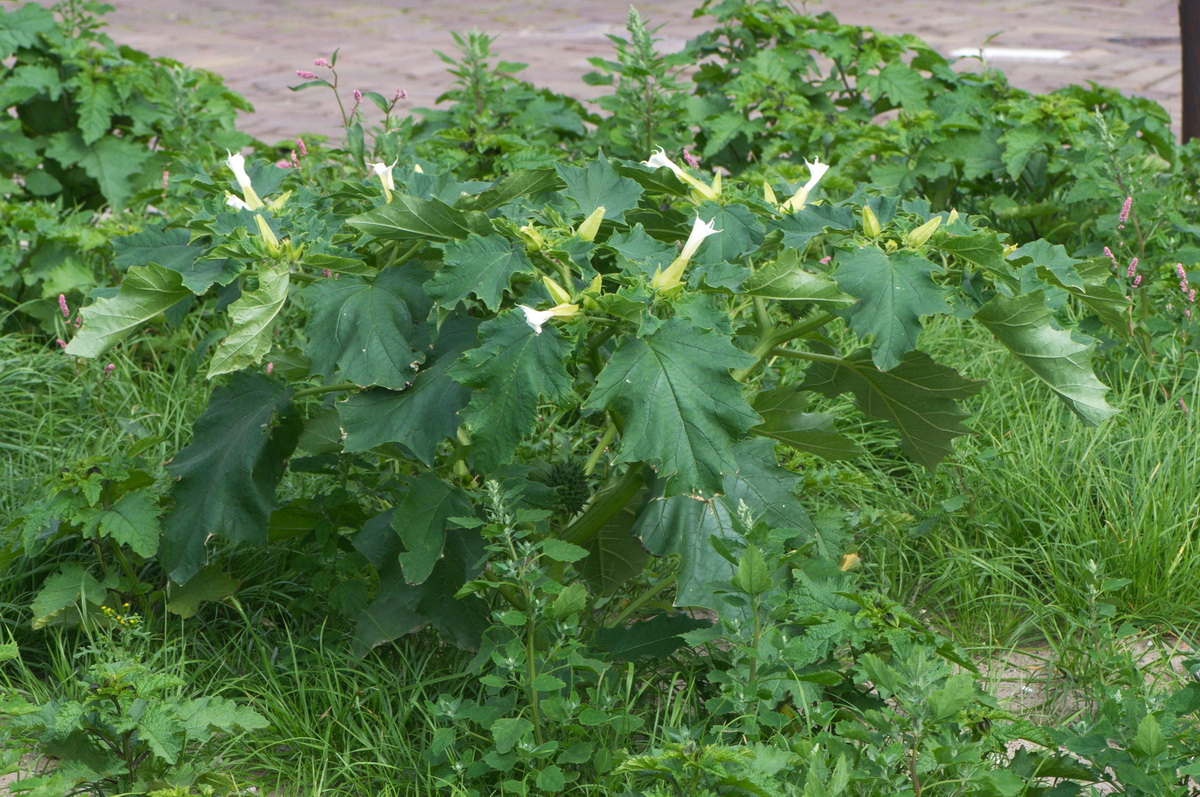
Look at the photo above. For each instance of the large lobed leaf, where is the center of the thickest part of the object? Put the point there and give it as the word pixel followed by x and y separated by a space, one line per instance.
pixel 251 318
pixel 407 218
pixel 479 266
pixel 893 291
pixel 512 368
pixel 1023 325
pixel 918 397
pixel 146 292
pixel 682 410
pixel 226 478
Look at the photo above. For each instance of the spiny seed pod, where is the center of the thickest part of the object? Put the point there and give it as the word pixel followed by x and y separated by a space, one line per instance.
pixel 571 484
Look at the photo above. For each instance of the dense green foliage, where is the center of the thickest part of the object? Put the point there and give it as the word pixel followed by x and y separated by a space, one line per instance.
pixel 616 473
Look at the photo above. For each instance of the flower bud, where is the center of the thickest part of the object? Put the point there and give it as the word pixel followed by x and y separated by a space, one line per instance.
pixel 267 233
pixel 556 291
pixel 588 228
pixel 920 235
pixel 870 222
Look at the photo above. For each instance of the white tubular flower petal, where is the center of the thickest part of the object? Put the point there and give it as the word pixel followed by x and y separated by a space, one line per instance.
pixel 237 165
pixel 384 173
pixel 535 318
pixel 659 159
pixel 673 276
pixel 816 170
pixel 235 202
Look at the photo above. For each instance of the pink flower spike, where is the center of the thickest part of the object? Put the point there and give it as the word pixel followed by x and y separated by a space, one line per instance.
pixel 357 96
pixel 1132 268
pixel 1125 208
pixel 270 368
pixel 1137 280
pixel 108 369
pixel 62 344
pixel 78 321
pixel 691 159
pixel 1180 272
pixel 401 94
pixel 295 160
pixel 1110 255
pixel 283 164
pixel 300 148
pixel 825 260
pixel 62 305
pixel 166 179
pixel 320 62
pixel 1192 296
pixel 300 73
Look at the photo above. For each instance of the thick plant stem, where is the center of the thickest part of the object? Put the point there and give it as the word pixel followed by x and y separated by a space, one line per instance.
pixel 607 503
pixel 609 432
pixel 764 349
pixel 315 391
pixel 641 600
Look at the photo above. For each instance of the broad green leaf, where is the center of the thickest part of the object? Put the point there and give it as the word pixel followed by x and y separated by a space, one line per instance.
pixel 1110 306
pixel 363 327
pixel 562 551
pixel 682 409
pixel 509 731
pixel 112 162
pixel 686 525
pixel 656 638
pixel 953 696
pixel 510 187
pixel 133 521
pixel 599 185
pixel 479 266
pixel 1020 143
pixel 571 601
pixel 210 584
pixel 900 83
pixel 145 292
pixel 982 248
pixel 810 221
pixel 251 318
pixel 168 248
pixel 96 102
pixel 407 218
pixel 785 415
pixel 638 250
pixel 614 554
pixel 740 232
pixel 204 716
pixel 71 585
pixel 787 279
pixel 752 576
pixel 551 780
pixel 1025 326
pixel 401 608
pixel 420 522
pixel 917 397
pixel 893 291
pixel 424 413
pixel 512 368
pixel 159 729
pixel 226 478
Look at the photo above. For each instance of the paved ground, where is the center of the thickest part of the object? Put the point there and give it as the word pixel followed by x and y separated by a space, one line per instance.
pixel 259 44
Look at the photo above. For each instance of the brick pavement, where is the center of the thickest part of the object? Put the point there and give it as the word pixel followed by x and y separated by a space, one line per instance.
pixel 259 44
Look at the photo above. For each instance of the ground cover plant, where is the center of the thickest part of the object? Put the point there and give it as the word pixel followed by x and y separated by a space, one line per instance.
pixel 507 452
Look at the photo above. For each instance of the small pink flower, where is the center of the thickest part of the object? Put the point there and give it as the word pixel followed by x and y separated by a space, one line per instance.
pixel 78 321
pixel 62 344
pixel 1132 268
pixel 108 369
pixel 357 96
pixel 1124 216
pixel 295 160
pixel 283 164
pixel 300 148
pixel 320 62
pixel 62 305
pixel 300 73
pixel 328 274
pixel 1180 272
pixel 1111 256
pixel 270 368
pixel 400 94
pixel 825 260
pixel 1137 280
pixel 691 159
pixel 166 179
pixel 1192 296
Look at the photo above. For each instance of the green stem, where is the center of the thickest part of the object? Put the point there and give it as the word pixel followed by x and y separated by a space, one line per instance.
pixel 811 356
pixel 315 391
pixel 764 318
pixel 609 432
pixel 409 254
pixel 641 600
pixel 607 503
pixel 763 350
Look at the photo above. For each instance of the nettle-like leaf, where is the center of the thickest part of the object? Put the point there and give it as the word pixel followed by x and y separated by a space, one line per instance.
pixel 918 397
pixel 71 585
pixel 251 318
pixel 893 291
pixel 510 187
pixel 512 368
pixel 1024 325
pixel 131 521
pixel 226 478
pixel 363 327
pixel 145 292
pixel 786 279
pixel 425 412
pixel 685 525
pixel 479 266
pixel 407 218
pixel 682 410
pixel 112 162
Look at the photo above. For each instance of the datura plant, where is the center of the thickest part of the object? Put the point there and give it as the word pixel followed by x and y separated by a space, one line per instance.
pixel 623 347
